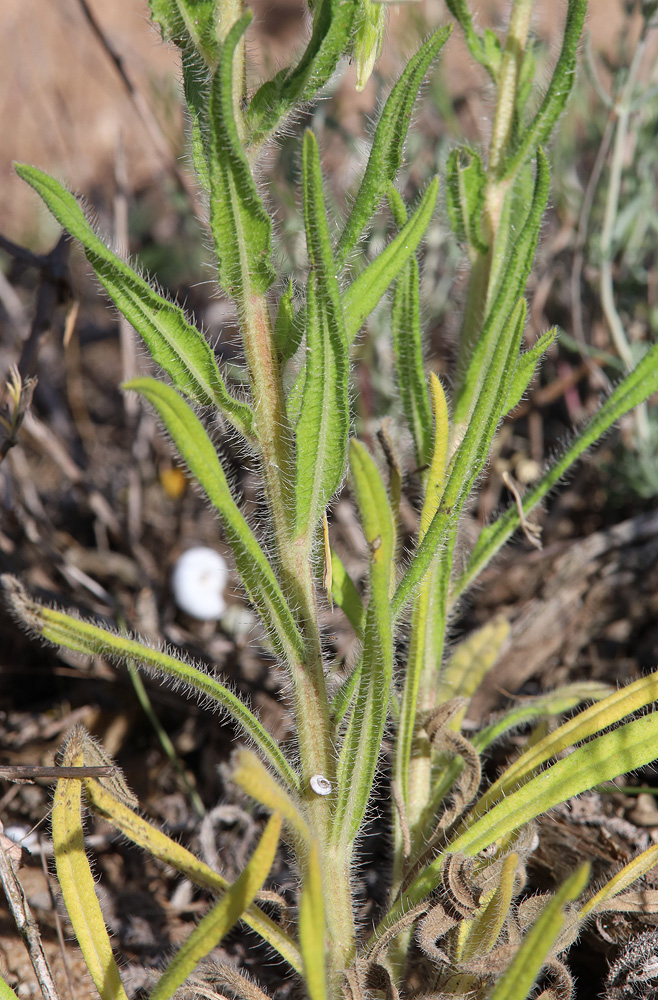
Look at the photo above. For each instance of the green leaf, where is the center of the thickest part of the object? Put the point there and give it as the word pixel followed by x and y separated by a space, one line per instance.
pixel 241 227
pixel 362 743
pixel 367 38
pixel 470 457
pixel 323 425
pixel 526 367
pixel 517 980
pixel 538 131
pixel 84 637
pixel 173 854
pixel 408 346
pixel 365 291
pixel 77 882
pixel 175 344
pixel 6 992
pixel 388 143
pixel 312 925
pixel 485 50
pixel 216 924
pixel 189 22
pixel 198 453
pixel 332 31
pixel 346 596
pixel 637 386
pixel 512 285
pixel 624 749
pixel 465 195
pixel 287 332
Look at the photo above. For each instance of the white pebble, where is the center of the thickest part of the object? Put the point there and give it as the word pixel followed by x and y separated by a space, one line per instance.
pixel 198 583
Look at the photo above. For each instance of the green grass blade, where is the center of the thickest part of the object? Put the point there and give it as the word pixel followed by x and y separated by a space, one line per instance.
pixel 73 633
pixel 540 128
pixel 77 882
pixel 216 924
pixel 361 747
pixel 408 346
pixel 388 143
pixel 332 32
pixel 177 346
pixel 198 453
pixel 637 386
pixel 323 425
pixel 241 228
pixel 517 980
pixel 365 291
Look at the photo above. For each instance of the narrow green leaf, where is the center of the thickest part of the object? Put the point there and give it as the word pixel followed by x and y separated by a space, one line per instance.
pixel 216 924
pixel 346 596
pixel 361 747
pixel 312 926
pixel 516 982
pixel 540 128
pixel 344 696
pixel 478 936
pixel 77 882
pixel 470 662
pixel 241 228
pixel 465 195
pixel 624 878
pixel 189 22
pixel 526 367
pixel 252 776
pixel 624 749
pixel 408 346
pixel 290 88
pixel 323 425
pixel 365 291
pixel 6 992
pixel 512 286
pixel 470 457
pixel 73 633
pixel 175 344
pixel 606 712
pixel 287 332
pixel 388 143
pixel 637 386
pixel 173 854
pixel 485 50
pixel 198 453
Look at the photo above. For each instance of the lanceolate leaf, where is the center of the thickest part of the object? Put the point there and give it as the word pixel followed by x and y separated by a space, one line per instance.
pixel 388 143
pixel 198 453
pixel 516 982
pixel 637 386
pixel 526 367
pixel 539 129
pixel 362 743
pixel 287 332
pixel 77 882
pixel 74 633
pixel 365 292
pixel 171 853
pixel 485 50
pixel 189 22
pixel 408 346
pixel 217 923
pixel 465 194
pixel 332 28
pixel 175 344
pixel 323 425
pixel 512 286
pixel 312 925
pixel 242 229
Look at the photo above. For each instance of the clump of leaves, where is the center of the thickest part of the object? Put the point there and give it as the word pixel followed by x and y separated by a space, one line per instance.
pixel 455 884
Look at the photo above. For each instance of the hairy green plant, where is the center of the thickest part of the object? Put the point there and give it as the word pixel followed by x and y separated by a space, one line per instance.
pixel 455 884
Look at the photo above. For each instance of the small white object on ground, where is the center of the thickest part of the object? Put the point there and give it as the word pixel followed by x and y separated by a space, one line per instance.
pixel 198 581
